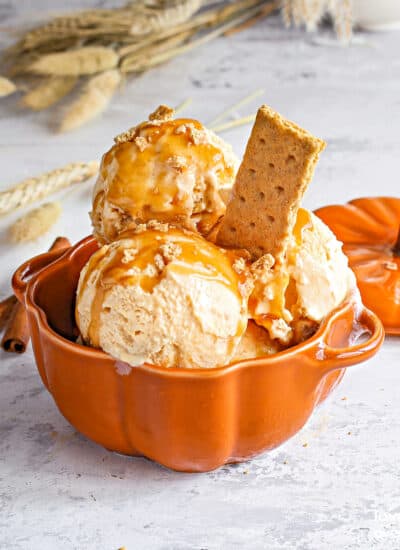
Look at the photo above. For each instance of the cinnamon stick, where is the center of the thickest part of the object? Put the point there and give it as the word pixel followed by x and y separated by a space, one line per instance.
pixel 16 336
pixel 6 307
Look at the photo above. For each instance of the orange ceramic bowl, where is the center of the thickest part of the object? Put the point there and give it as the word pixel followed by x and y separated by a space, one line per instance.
pixel 192 420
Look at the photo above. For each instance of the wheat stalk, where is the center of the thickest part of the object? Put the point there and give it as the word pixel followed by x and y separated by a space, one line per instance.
pixel 310 13
pixel 48 92
pixel 233 123
pixel 6 86
pixel 134 38
pixel 82 61
pixel 149 21
pixel 95 97
pixel 145 64
pixel 144 57
pixel 35 223
pixel 33 189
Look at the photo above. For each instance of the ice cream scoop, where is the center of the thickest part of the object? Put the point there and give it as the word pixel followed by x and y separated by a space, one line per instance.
pixel 166 170
pixel 291 298
pixel 164 296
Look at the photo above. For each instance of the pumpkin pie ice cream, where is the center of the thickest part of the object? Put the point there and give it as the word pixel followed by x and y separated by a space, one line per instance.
pixel 183 280
pixel 165 169
pixel 163 296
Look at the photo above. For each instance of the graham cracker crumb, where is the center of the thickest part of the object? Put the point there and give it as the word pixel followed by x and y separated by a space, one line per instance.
pixel 239 265
pixel 157 226
pixel 177 162
pixel 151 224
pixel 129 255
pixel 163 112
pixel 170 251
pixel 263 264
pixel 195 135
pixel 150 270
pixel 125 136
pixel 141 143
pixel 134 271
pixel 159 262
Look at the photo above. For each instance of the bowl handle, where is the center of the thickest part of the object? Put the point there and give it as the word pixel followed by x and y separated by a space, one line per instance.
pixel 364 322
pixel 30 268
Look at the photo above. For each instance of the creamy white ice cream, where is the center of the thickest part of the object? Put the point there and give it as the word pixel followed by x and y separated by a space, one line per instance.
pixel 164 297
pixel 290 300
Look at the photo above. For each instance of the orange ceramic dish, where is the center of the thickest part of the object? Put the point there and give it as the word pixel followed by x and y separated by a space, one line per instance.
pixel 188 420
pixel 369 229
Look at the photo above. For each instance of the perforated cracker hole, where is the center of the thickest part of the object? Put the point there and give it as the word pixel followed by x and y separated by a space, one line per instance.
pixel 279 189
pixel 271 165
pixel 271 218
pixel 242 199
pixel 290 159
pixel 262 140
pixel 252 171
pixel 233 229
pixel 252 225
pixel 262 195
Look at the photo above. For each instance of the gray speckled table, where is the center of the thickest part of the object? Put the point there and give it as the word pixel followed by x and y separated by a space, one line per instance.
pixel 337 483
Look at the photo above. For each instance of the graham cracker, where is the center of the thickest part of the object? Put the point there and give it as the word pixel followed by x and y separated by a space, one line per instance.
pixel 276 169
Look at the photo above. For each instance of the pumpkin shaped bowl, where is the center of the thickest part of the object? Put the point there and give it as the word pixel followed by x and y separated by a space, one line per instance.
pixel 191 420
pixel 370 231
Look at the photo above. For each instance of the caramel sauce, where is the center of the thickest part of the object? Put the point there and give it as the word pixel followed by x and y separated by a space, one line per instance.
pixel 196 258
pixel 303 222
pixel 283 289
pixel 149 182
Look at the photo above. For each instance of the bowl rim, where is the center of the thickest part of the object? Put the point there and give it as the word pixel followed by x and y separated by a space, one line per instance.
pixel 316 342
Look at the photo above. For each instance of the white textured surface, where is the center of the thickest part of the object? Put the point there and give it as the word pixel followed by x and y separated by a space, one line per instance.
pixel 342 490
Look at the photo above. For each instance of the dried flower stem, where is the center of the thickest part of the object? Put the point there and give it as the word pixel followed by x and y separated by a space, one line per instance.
pixel 35 223
pixel 264 12
pixel 240 103
pixel 173 52
pixel 48 92
pixel 33 189
pixel 233 123
pixel 184 105
pixel 95 97
pixel 86 60
pixel 6 86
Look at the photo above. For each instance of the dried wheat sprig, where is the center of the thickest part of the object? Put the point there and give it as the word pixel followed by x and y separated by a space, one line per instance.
pixel 148 21
pixel 262 14
pixel 33 189
pixel 207 37
pixel 7 87
pixel 182 106
pixel 310 13
pixel 145 55
pixel 49 92
pixel 137 20
pixel 95 97
pixel 82 61
pixel 343 19
pixel 35 223
pixel 233 123
pixel 229 110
